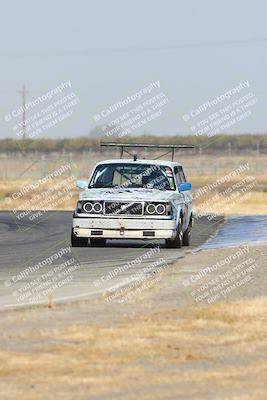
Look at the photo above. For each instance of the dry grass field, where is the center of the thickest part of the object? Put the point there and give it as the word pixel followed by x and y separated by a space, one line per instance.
pixel 159 346
pixel 142 356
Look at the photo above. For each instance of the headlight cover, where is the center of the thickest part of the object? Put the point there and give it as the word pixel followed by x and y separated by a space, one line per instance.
pixel 158 208
pixel 90 207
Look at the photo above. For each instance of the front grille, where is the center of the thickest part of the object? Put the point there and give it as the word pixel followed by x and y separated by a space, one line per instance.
pixel 123 208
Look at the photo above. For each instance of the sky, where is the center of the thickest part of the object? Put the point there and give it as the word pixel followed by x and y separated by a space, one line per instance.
pixel 106 52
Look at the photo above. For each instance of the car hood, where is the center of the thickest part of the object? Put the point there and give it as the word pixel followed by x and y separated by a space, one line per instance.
pixel 128 194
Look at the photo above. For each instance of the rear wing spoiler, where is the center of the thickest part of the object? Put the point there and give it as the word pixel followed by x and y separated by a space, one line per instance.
pixel 169 147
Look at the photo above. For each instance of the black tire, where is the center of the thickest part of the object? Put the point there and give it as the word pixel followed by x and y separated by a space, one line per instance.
pixel 178 241
pixel 78 241
pixel 97 242
pixel 187 234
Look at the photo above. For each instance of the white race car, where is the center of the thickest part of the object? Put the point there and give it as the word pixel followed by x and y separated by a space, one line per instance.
pixel 134 199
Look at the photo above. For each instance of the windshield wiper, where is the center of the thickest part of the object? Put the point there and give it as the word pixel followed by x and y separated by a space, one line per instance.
pixel 135 185
pixel 101 185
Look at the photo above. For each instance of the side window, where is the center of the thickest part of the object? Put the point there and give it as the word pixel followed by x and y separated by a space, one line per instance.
pixel 178 176
pixel 181 172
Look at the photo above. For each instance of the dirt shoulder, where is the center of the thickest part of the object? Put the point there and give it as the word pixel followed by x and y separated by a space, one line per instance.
pixel 167 341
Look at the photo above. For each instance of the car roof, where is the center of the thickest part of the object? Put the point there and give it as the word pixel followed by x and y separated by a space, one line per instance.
pixel 165 163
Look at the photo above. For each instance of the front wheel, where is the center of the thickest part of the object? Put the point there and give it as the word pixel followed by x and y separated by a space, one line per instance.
pixel 187 234
pixel 97 242
pixel 78 241
pixel 177 242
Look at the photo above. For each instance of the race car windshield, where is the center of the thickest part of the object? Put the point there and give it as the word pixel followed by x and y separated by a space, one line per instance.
pixel 133 176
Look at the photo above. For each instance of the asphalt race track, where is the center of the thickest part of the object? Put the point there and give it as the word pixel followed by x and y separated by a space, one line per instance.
pixel 25 243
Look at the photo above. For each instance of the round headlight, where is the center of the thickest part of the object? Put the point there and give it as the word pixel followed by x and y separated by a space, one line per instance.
pixel 150 209
pixel 161 209
pixel 88 207
pixel 97 207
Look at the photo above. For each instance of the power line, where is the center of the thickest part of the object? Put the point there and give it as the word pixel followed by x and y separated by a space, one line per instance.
pixel 144 49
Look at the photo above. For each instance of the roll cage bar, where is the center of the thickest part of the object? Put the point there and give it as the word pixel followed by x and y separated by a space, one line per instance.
pixel 169 147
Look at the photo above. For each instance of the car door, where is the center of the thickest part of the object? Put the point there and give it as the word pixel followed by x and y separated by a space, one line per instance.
pixel 187 196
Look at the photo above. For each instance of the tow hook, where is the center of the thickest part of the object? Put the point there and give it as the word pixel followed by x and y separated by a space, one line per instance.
pixel 122 230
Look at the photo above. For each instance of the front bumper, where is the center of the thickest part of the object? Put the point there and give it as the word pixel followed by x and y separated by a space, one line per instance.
pixel 124 228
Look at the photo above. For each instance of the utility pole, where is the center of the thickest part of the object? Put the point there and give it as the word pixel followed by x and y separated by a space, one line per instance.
pixel 23 92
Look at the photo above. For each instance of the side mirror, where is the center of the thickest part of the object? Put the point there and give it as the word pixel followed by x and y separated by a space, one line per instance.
pixel 82 184
pixel 185 186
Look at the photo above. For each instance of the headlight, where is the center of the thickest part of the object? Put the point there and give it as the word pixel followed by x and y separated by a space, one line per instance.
pixel 97 207
pixel 158 209
pixel 150 209
pixel 90 207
